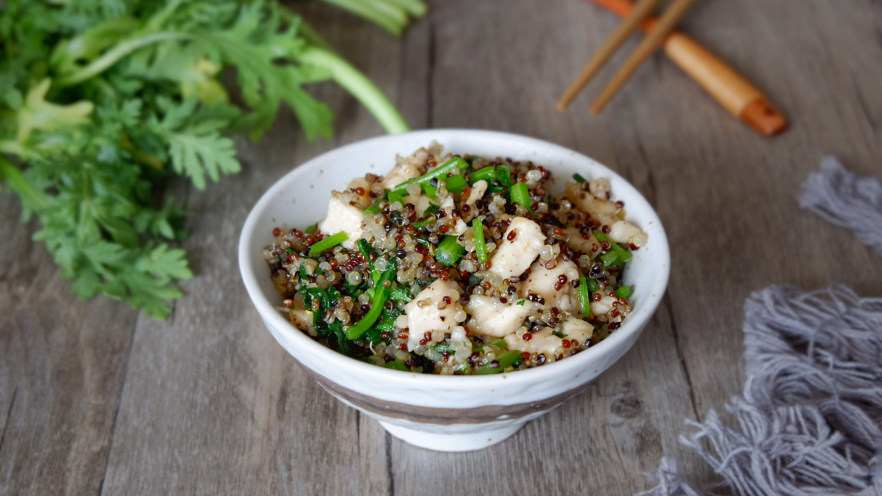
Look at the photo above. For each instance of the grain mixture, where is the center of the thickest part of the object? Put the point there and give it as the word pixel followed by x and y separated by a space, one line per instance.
pixel 459 265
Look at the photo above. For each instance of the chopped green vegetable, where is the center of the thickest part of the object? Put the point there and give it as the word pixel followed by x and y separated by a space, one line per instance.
pixel 455 184
pixel 371 316
pixel 593 286
pixel 102 103
pixel 449 251
pixel 585 297
pixel 428 188
pixel 329 242
pixel 425 222
pixel 381 294
pixel 396 365
pixel 429 217
pixel 375 207
pixel 386 324
pixel 480 243
pixel 623 292
pixel 486 174
pixel 366 249
pixel 578 177
pixel 400 294
pixel 454 165
pixel 622 254
pixel 443 348
pixel 520 194
pixel 395 196
pixel 503 175
pixel 511 358
pixel 311 229
pixel 611 258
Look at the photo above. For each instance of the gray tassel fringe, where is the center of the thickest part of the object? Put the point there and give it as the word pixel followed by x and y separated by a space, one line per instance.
pixel 810 418
pixel 847 200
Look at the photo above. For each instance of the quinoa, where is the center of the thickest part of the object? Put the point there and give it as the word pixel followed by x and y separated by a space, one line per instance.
pixel 458 264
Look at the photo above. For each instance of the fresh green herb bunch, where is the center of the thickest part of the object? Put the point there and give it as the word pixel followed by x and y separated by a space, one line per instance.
pixel 101 103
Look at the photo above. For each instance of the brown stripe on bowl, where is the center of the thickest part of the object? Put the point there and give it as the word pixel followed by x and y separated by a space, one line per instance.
pixel 442 416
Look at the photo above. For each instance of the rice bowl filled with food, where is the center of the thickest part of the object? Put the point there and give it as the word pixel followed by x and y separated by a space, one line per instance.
pixel 454 284
pixel 459 264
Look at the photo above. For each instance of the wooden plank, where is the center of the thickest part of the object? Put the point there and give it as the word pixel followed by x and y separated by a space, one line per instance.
pixel 62 366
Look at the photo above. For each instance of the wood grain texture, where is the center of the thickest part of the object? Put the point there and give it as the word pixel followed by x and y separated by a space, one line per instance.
pixel 98 399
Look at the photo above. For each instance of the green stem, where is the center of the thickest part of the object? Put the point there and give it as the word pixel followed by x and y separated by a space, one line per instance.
pixel 15 148
pixel 416 8
pixel 390 22
pixel 356 83
pixel 30 197
pixel 113 56
pixel 160 17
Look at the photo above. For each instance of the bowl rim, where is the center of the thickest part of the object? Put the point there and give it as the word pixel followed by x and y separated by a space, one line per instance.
pixel 571 366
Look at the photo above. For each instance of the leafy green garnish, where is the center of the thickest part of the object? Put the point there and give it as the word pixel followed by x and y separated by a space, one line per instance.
pixel 103 103
pixel 400 293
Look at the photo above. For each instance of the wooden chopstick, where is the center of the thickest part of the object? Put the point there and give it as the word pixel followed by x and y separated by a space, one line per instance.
pixel 735 93
pixel 648 45
pixel 638 14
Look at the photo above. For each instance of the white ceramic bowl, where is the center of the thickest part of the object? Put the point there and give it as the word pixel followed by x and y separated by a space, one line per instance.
pixel 448 413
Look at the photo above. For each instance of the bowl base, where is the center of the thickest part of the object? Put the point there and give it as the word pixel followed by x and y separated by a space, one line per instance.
pixel 452 441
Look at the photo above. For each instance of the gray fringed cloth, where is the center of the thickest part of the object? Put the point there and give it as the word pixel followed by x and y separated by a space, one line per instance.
pixel 810 417
pixel 847 200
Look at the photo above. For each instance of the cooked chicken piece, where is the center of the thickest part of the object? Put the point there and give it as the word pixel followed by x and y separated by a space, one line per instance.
pixel 622 231
pixel 407 168
pixel 520 245
pixel 478 190
pixel 302 319
pixel 343 217
pixel 490 317
pixel 553 285
pixel 428 316
pixel 601 307
pixel 545 341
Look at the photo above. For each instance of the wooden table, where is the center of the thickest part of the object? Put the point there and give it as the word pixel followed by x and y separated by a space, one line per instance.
pixel 97 398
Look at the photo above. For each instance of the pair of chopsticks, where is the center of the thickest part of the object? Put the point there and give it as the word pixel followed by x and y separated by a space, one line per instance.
pixel 641 11
pixel 730 89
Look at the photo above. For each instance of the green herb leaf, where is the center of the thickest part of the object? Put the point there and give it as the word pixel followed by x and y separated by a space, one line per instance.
pixel 102 103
